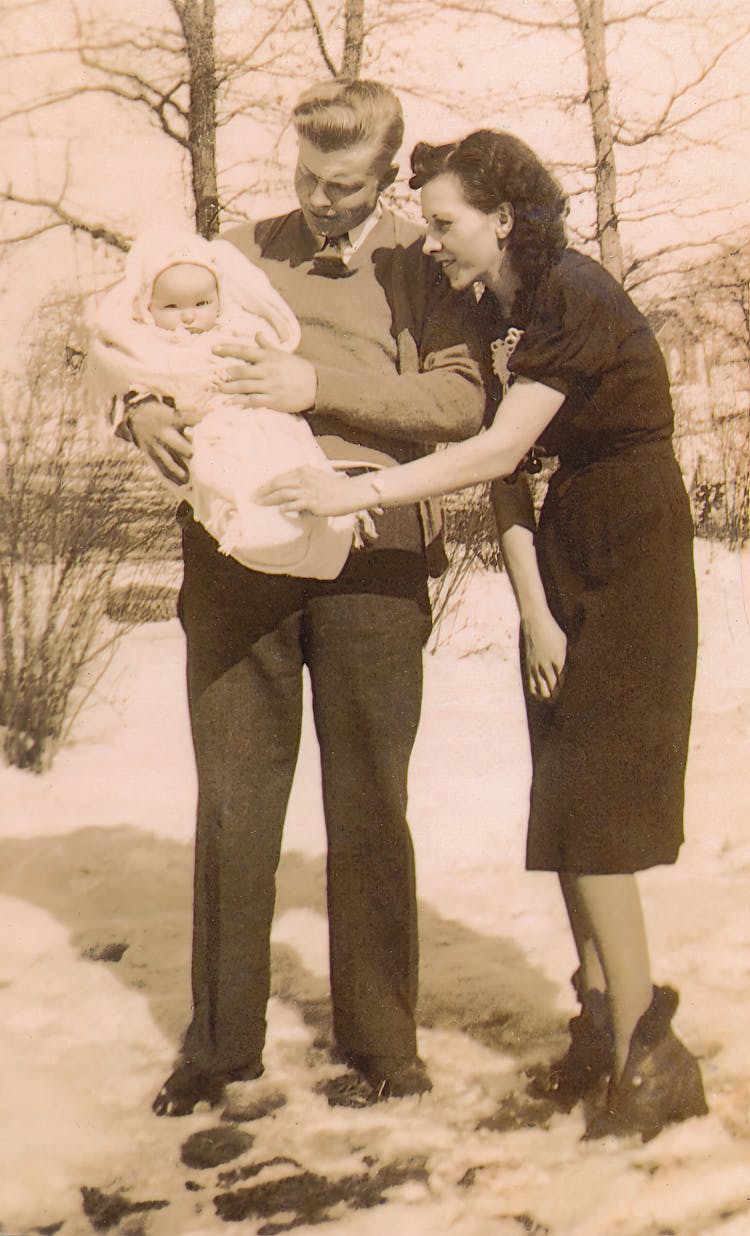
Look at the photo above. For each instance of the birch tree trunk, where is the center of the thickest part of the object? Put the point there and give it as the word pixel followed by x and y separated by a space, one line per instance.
pixel 592 25
pixel 197 18
pixel 354 37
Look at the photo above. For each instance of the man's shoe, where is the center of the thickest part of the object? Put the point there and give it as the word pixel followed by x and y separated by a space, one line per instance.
pixel 376 1082
pixel 185 1088
pixel 188 1085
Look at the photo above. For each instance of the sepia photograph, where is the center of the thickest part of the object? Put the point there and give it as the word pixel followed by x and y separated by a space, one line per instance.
pixel 374 617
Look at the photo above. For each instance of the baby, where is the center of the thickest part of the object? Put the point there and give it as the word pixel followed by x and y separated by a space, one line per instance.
pixel 155 334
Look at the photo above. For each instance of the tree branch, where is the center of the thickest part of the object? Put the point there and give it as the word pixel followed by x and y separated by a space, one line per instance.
pixel 156 107
pixel 666 122
pixel 320 38
pixel 650 259
pixel 510 17
pixel 63 218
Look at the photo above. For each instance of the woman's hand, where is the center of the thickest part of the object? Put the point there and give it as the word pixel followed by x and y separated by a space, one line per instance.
pixel 318 492
pixel 545 650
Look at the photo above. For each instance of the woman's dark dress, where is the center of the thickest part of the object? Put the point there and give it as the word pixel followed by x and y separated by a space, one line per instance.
pixel 615 552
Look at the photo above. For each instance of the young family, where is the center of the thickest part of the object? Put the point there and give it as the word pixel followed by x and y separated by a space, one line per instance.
pixel 406 340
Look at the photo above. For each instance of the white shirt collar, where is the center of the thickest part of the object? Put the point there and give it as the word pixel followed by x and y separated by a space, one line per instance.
pixel 358 235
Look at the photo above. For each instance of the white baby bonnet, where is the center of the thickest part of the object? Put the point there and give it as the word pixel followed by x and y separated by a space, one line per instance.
pixel 243 287
pixel 128 351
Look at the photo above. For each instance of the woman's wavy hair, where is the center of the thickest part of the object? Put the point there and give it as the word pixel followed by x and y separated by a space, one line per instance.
pixel 494 167
pixel 339 114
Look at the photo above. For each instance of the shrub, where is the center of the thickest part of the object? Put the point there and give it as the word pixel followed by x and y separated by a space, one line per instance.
pixel 61 541
pixel 471 544
pixel 720 487
pixel 142 602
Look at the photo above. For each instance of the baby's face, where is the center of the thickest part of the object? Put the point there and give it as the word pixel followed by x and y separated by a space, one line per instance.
pixel 185 295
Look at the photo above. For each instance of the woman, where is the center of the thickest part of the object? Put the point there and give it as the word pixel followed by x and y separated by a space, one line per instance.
pixel 609 713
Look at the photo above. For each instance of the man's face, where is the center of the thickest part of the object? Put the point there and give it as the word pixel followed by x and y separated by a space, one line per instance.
pixel 338 189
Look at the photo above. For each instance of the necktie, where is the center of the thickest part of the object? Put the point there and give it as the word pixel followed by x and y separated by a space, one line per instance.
pixel 329 261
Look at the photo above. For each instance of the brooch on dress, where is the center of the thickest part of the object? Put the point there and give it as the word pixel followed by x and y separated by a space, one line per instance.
pixel 502 350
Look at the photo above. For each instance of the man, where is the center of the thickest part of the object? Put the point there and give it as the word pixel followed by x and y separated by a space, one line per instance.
pixel 383 372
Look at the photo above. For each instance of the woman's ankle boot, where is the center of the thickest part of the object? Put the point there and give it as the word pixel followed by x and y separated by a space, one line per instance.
pixel 588 1060
pixel 661 1083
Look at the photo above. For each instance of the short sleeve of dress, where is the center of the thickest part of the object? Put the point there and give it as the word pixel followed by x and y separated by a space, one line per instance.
pixel 570 333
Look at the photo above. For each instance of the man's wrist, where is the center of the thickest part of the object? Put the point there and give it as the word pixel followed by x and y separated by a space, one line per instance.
pixel 312 390
pixel 132 406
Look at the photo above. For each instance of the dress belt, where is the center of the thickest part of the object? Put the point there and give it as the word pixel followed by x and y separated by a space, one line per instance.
pixel 636 452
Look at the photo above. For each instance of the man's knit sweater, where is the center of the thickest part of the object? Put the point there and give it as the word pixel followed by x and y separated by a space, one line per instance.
pixel 395 352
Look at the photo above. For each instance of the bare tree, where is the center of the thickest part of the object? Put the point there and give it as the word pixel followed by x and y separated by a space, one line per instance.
pixel 198 23
pixel 592 26
pixel 173 74
pixel 193 73
pixel 353 41
pixel 671 114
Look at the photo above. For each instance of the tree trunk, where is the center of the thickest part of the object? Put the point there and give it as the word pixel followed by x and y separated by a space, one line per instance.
pixel 198 23
pixel 354 38
pixel 592 25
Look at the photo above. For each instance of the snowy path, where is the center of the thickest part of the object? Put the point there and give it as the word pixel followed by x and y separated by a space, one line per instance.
pixel 96 864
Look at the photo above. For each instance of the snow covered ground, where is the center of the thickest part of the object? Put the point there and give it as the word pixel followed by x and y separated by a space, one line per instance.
pixel 95 871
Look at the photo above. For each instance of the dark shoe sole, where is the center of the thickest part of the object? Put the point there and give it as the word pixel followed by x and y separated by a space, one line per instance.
pixel 355 1091
pixel 188 1085
pixel 184 1089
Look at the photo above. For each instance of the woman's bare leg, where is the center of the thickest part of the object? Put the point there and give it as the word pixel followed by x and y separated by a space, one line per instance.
pixel 591 973
pixel 605 911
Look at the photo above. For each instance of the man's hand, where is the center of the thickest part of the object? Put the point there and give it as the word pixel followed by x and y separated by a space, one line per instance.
pixel 269 377
pixel 156 428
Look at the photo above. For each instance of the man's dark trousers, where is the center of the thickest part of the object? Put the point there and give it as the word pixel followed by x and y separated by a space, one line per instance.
pixel 248 636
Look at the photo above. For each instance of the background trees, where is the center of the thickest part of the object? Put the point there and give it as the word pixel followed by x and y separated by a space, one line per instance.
pixel 631 98
pixel 115 114
pixel 187 68
pixel 653 89
pixel 711 305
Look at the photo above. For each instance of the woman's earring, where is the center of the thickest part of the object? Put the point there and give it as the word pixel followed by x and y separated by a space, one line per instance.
pixel 505 222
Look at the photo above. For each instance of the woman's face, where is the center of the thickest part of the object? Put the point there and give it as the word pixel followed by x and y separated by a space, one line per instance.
pixel 462 240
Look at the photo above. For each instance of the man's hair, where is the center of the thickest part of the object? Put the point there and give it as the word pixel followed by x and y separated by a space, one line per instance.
pixel 339 114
